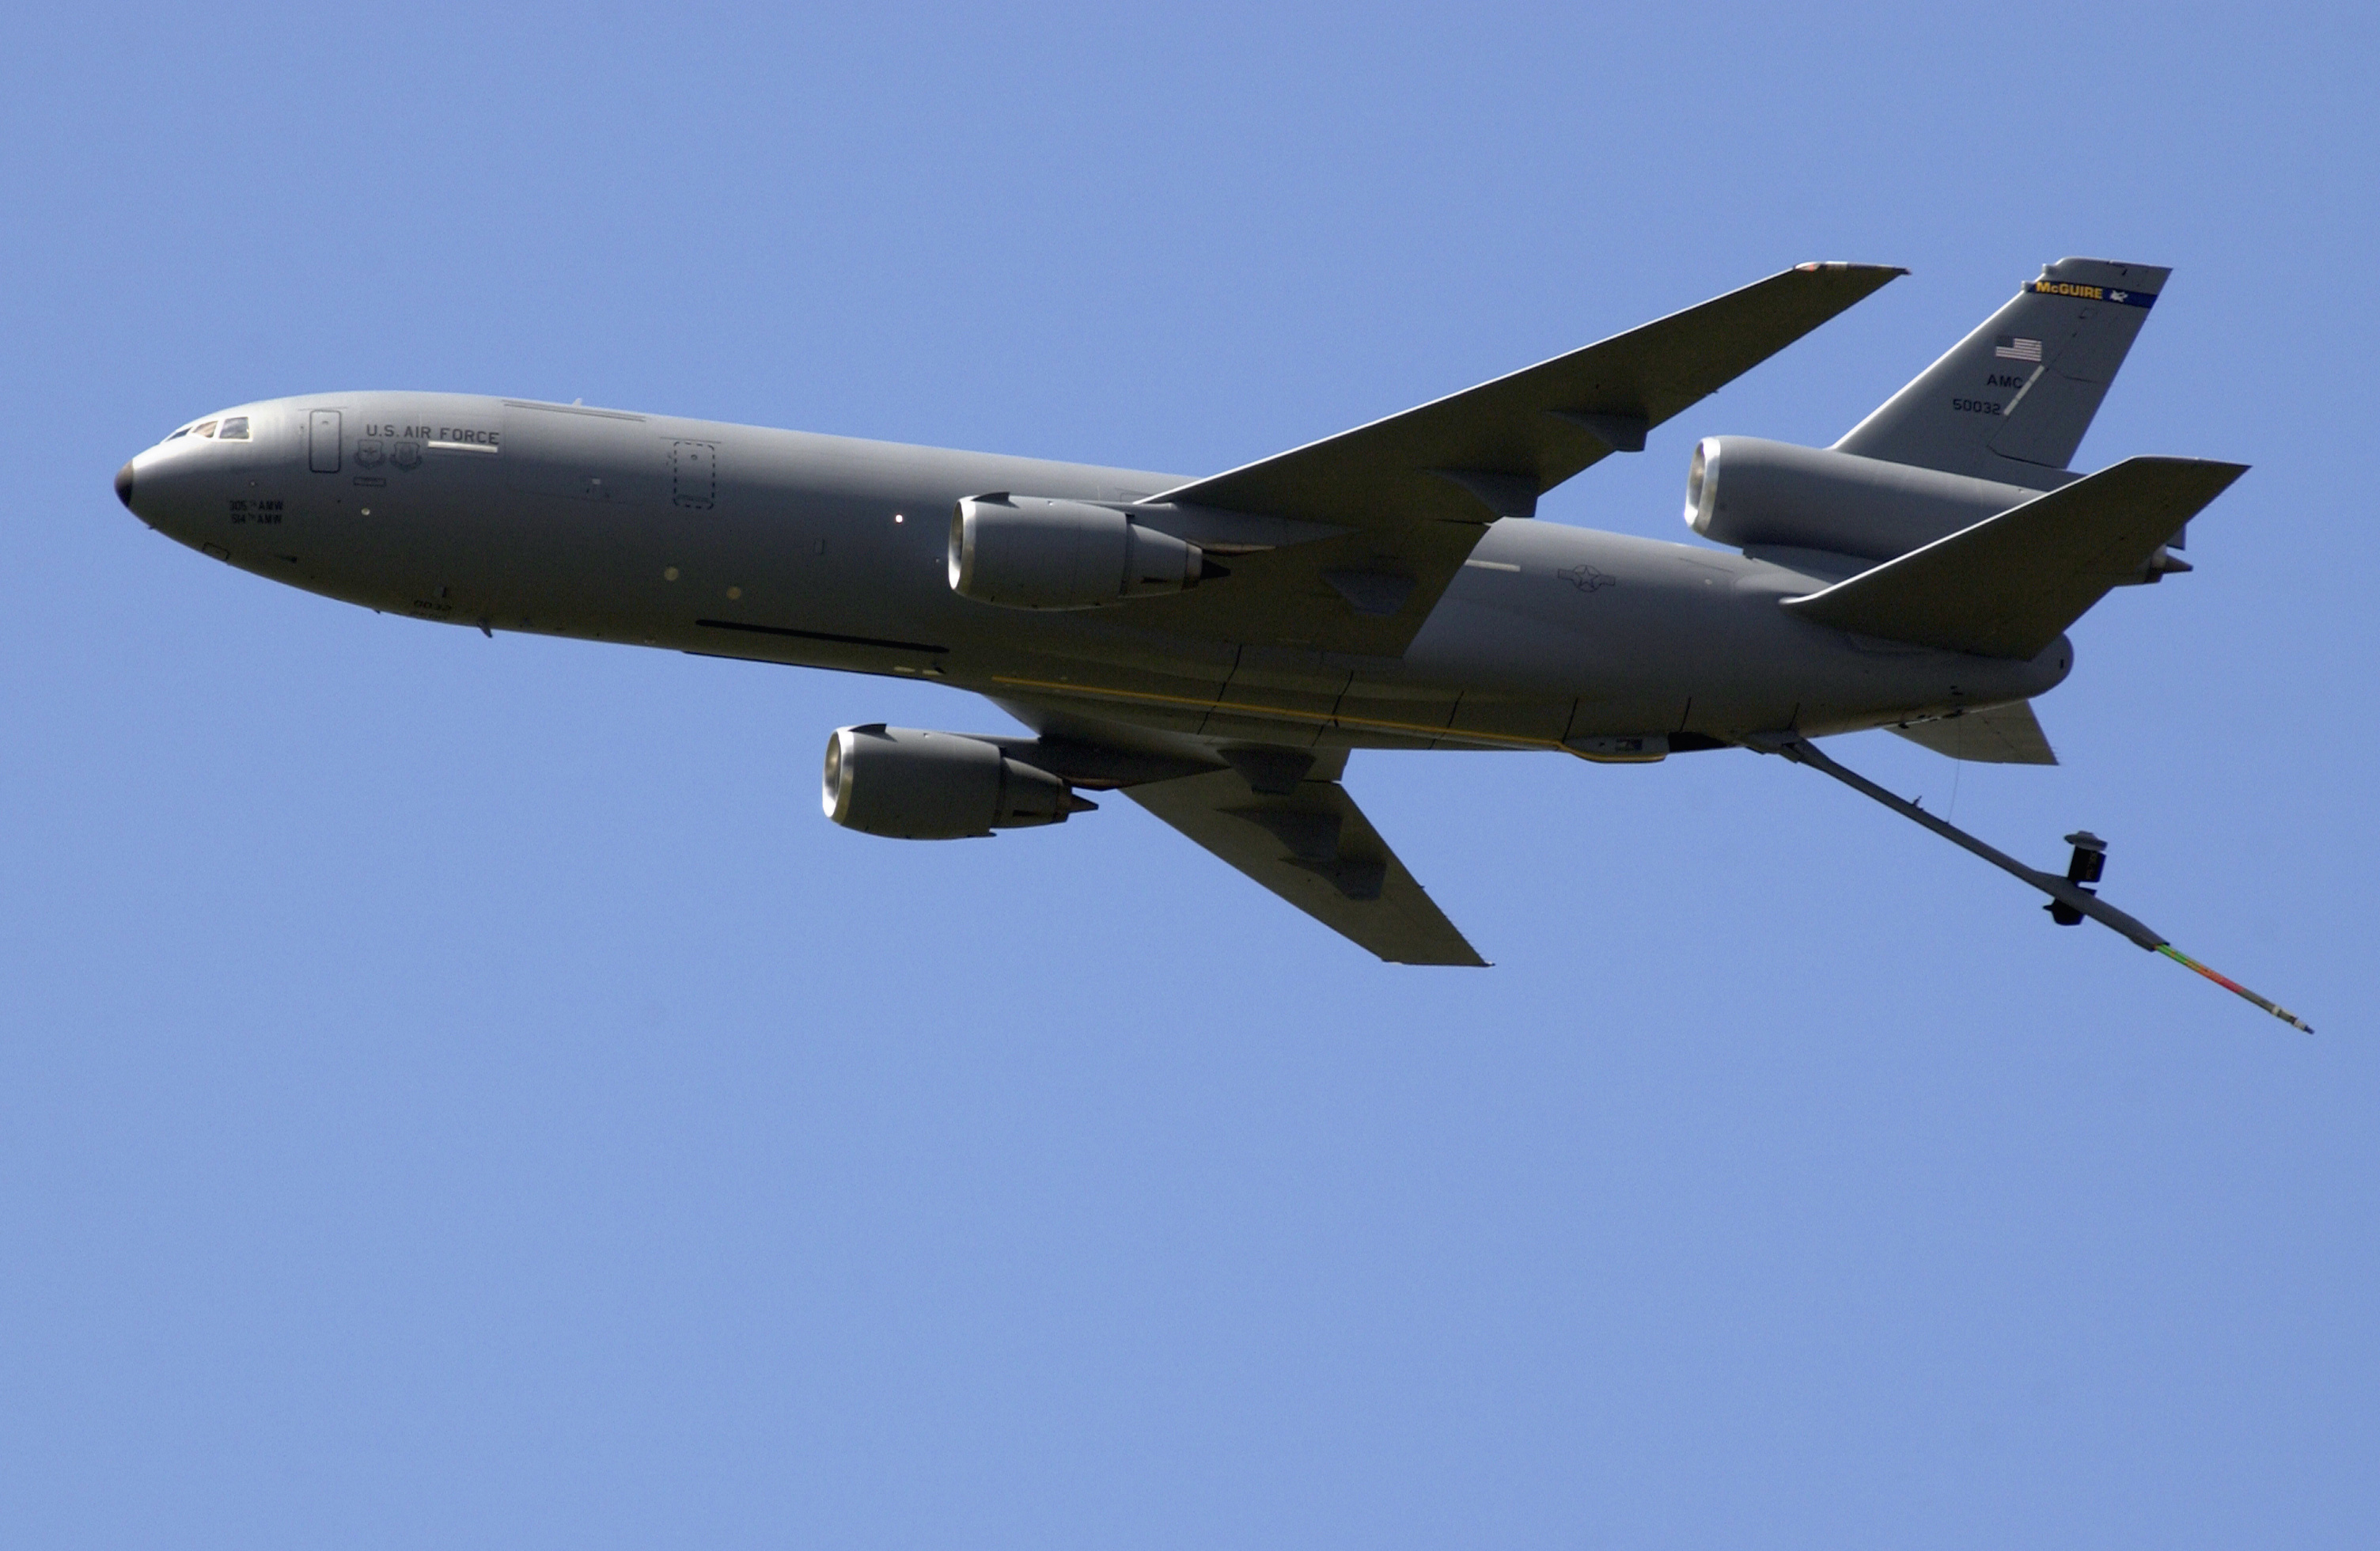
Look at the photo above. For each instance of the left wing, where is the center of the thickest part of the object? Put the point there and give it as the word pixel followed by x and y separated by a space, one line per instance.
pixel 1313 846
pixel 1412 493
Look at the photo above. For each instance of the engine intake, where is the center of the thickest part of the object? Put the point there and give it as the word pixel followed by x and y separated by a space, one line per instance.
pixel 908 784
pixel 1031 552
pixel 1745 491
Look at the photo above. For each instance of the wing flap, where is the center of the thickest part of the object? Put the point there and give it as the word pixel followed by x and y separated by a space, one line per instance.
pixel 1313 846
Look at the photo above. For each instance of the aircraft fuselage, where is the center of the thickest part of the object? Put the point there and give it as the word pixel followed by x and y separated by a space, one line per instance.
pixel 831 553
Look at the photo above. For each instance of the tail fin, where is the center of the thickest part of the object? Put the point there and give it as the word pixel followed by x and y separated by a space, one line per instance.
pixel 2010 401
pixel 2006 586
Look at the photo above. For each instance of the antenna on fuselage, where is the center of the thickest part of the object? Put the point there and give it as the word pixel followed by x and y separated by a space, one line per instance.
pixel 2070 901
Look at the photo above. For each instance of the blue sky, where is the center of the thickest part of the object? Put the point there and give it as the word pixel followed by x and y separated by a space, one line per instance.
pixel 460 1093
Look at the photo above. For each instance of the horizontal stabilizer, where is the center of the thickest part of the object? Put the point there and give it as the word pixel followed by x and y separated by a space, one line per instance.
pixel 2008 734
pixel 2009 584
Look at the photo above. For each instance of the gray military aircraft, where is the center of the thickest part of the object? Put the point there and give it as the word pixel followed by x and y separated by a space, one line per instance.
pixel 1215 647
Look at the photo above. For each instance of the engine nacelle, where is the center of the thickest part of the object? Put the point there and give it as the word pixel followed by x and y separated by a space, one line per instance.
pixel 1030 553
pixel 909 784
pixel 1742 490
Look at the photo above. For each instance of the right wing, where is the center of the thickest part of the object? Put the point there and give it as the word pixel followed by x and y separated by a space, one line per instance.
pixel 1313 846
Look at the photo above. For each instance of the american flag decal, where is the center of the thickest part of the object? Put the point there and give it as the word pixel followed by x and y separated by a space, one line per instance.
pixel 2011 348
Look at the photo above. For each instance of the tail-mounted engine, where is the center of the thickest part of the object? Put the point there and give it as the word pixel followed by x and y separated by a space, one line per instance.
pixel 1030 553
pixel 908 784
pixel 1745 491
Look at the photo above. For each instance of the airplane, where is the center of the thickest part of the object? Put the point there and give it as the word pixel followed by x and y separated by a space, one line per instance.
pixel 1214 648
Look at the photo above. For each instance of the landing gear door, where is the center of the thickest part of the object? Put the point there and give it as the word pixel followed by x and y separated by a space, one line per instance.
pixel 323 440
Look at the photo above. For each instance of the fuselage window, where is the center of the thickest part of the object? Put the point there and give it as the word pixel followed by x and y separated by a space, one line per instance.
pixel 234 429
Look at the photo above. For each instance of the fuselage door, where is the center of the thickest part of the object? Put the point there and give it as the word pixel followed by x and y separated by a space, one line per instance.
pixel 323 441
pixel 693 474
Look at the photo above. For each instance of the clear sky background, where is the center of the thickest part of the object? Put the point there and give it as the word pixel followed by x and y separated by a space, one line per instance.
pixel 462 1094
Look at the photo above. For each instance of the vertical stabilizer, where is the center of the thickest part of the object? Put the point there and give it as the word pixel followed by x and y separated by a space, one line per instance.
pixel 2010 401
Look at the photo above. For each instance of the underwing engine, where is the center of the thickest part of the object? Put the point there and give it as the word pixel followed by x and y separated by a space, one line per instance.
pixel 908 784
pixel 1030 553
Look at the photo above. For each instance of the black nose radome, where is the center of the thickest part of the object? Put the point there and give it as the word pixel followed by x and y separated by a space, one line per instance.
pixel 124 486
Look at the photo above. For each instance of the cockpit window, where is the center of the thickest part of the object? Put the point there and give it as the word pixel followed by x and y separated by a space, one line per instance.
pixel 184 431
pixel 234 429
pixel 205 428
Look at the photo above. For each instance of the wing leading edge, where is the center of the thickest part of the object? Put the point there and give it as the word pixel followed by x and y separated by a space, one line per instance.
pixel 1313 846
pixel 1489 451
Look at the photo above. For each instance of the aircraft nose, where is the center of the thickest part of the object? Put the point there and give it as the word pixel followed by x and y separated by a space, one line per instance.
pixel 124 486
